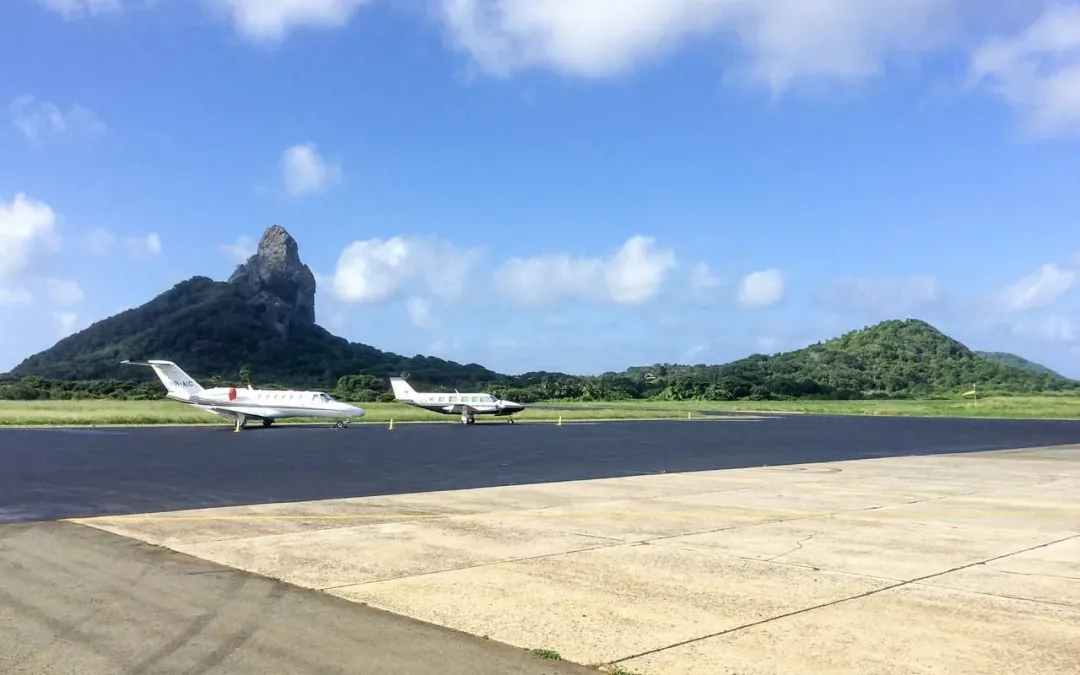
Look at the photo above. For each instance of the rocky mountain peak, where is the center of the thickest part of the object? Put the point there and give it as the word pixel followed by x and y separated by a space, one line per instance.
pixel 277 278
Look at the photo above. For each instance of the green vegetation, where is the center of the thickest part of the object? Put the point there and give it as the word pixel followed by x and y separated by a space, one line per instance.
pixel 216 329
pixel 106 412
pixel 1020 362
pixel 116 412
pixel 893 360
pixel 546 654
pixel 226 333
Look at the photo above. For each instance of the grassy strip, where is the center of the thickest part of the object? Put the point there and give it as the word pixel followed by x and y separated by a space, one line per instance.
pixel 106 412
pixel 1022 407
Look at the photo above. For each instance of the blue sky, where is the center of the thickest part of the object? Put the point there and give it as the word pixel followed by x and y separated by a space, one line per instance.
pixel 580 185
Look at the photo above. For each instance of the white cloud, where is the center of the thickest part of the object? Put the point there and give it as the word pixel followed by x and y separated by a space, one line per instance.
pixel 377 269
pixel 241 249
pixel 1038 289
pixel 419 311
pixel 77 9
pixel 64 291
pixel 272 20
pixel 702 280
pixel 26 225
pixel 632 275
pixel 784 39
pixel 103 242
pixel 305 172
pixel 895 295
pixel 40 119
pixel 1049 329
pixel 15 296
pixel 1037 70
pixel 66 322
pixel 762 289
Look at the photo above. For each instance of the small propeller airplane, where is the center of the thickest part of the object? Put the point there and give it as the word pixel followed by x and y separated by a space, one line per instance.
pixel 266 405
pixel 467 405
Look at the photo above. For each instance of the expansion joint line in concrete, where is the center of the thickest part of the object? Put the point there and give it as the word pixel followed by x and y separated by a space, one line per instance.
pixel 641 542
pixel 613 544
pixel 832 603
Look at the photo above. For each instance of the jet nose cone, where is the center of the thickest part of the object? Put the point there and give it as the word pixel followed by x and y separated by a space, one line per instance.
pixel 356 411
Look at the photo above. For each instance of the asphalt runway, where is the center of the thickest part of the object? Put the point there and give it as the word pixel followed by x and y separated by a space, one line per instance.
pixel 49 473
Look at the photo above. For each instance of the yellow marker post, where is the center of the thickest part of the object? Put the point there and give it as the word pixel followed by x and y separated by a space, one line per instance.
pixel 391 424
pixel 560 421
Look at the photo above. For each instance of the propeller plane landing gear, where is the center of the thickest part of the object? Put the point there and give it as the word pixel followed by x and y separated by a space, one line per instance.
pixel 467 417
pixel 267 423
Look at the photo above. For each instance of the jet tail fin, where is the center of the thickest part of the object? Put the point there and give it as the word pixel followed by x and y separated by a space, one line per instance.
pixel 178 383
pixel 402 390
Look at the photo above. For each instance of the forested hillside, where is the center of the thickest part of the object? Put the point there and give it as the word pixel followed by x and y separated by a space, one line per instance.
pixel 893 359
pixel 1018 361
pixel 259 327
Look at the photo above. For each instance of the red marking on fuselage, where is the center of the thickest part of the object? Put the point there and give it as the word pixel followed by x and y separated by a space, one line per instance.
pixel 232 393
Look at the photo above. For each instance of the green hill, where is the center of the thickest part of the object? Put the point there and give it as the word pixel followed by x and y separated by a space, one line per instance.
pixel 261 322
pixel 211 328
pixel 893 359
pixel 1008 359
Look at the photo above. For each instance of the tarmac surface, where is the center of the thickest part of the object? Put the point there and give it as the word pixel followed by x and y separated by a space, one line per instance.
pixel 772 546
pixel 52 473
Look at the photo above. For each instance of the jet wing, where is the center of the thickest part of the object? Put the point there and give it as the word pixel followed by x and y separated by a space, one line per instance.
pixel 234 411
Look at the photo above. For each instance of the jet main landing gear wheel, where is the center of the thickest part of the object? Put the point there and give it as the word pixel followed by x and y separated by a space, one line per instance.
pixel 340 424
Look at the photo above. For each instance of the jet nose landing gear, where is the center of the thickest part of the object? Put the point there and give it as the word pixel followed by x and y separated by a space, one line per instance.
pixel 341 424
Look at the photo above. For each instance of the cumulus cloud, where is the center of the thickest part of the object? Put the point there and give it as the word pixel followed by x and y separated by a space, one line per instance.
pixel 703 282
pixel 26 227
pixel 15 296
pixel 103 242
pixel 783 39
pixel 240 250
pixel 38 120
pixel 1038 289
pixel 1049 329
pixel 306 172
pixel 64 291
pixel 762 289
pixel 633 275
pixel 374 270
pixel 1037 70
pixel 66 322
pixel 893 295
pixel 270 21
pixel 419 311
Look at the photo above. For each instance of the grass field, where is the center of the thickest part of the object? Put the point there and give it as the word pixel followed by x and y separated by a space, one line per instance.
pixel 1023 407
pixel 107 412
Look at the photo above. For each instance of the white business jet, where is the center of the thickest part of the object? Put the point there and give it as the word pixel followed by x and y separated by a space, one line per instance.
pixel 243 404
pixel 466 405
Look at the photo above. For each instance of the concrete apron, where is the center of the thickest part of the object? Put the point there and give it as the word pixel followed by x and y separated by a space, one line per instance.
pixel 958 563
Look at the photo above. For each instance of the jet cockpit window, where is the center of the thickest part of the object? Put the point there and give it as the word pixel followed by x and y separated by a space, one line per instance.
pixel 325 398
